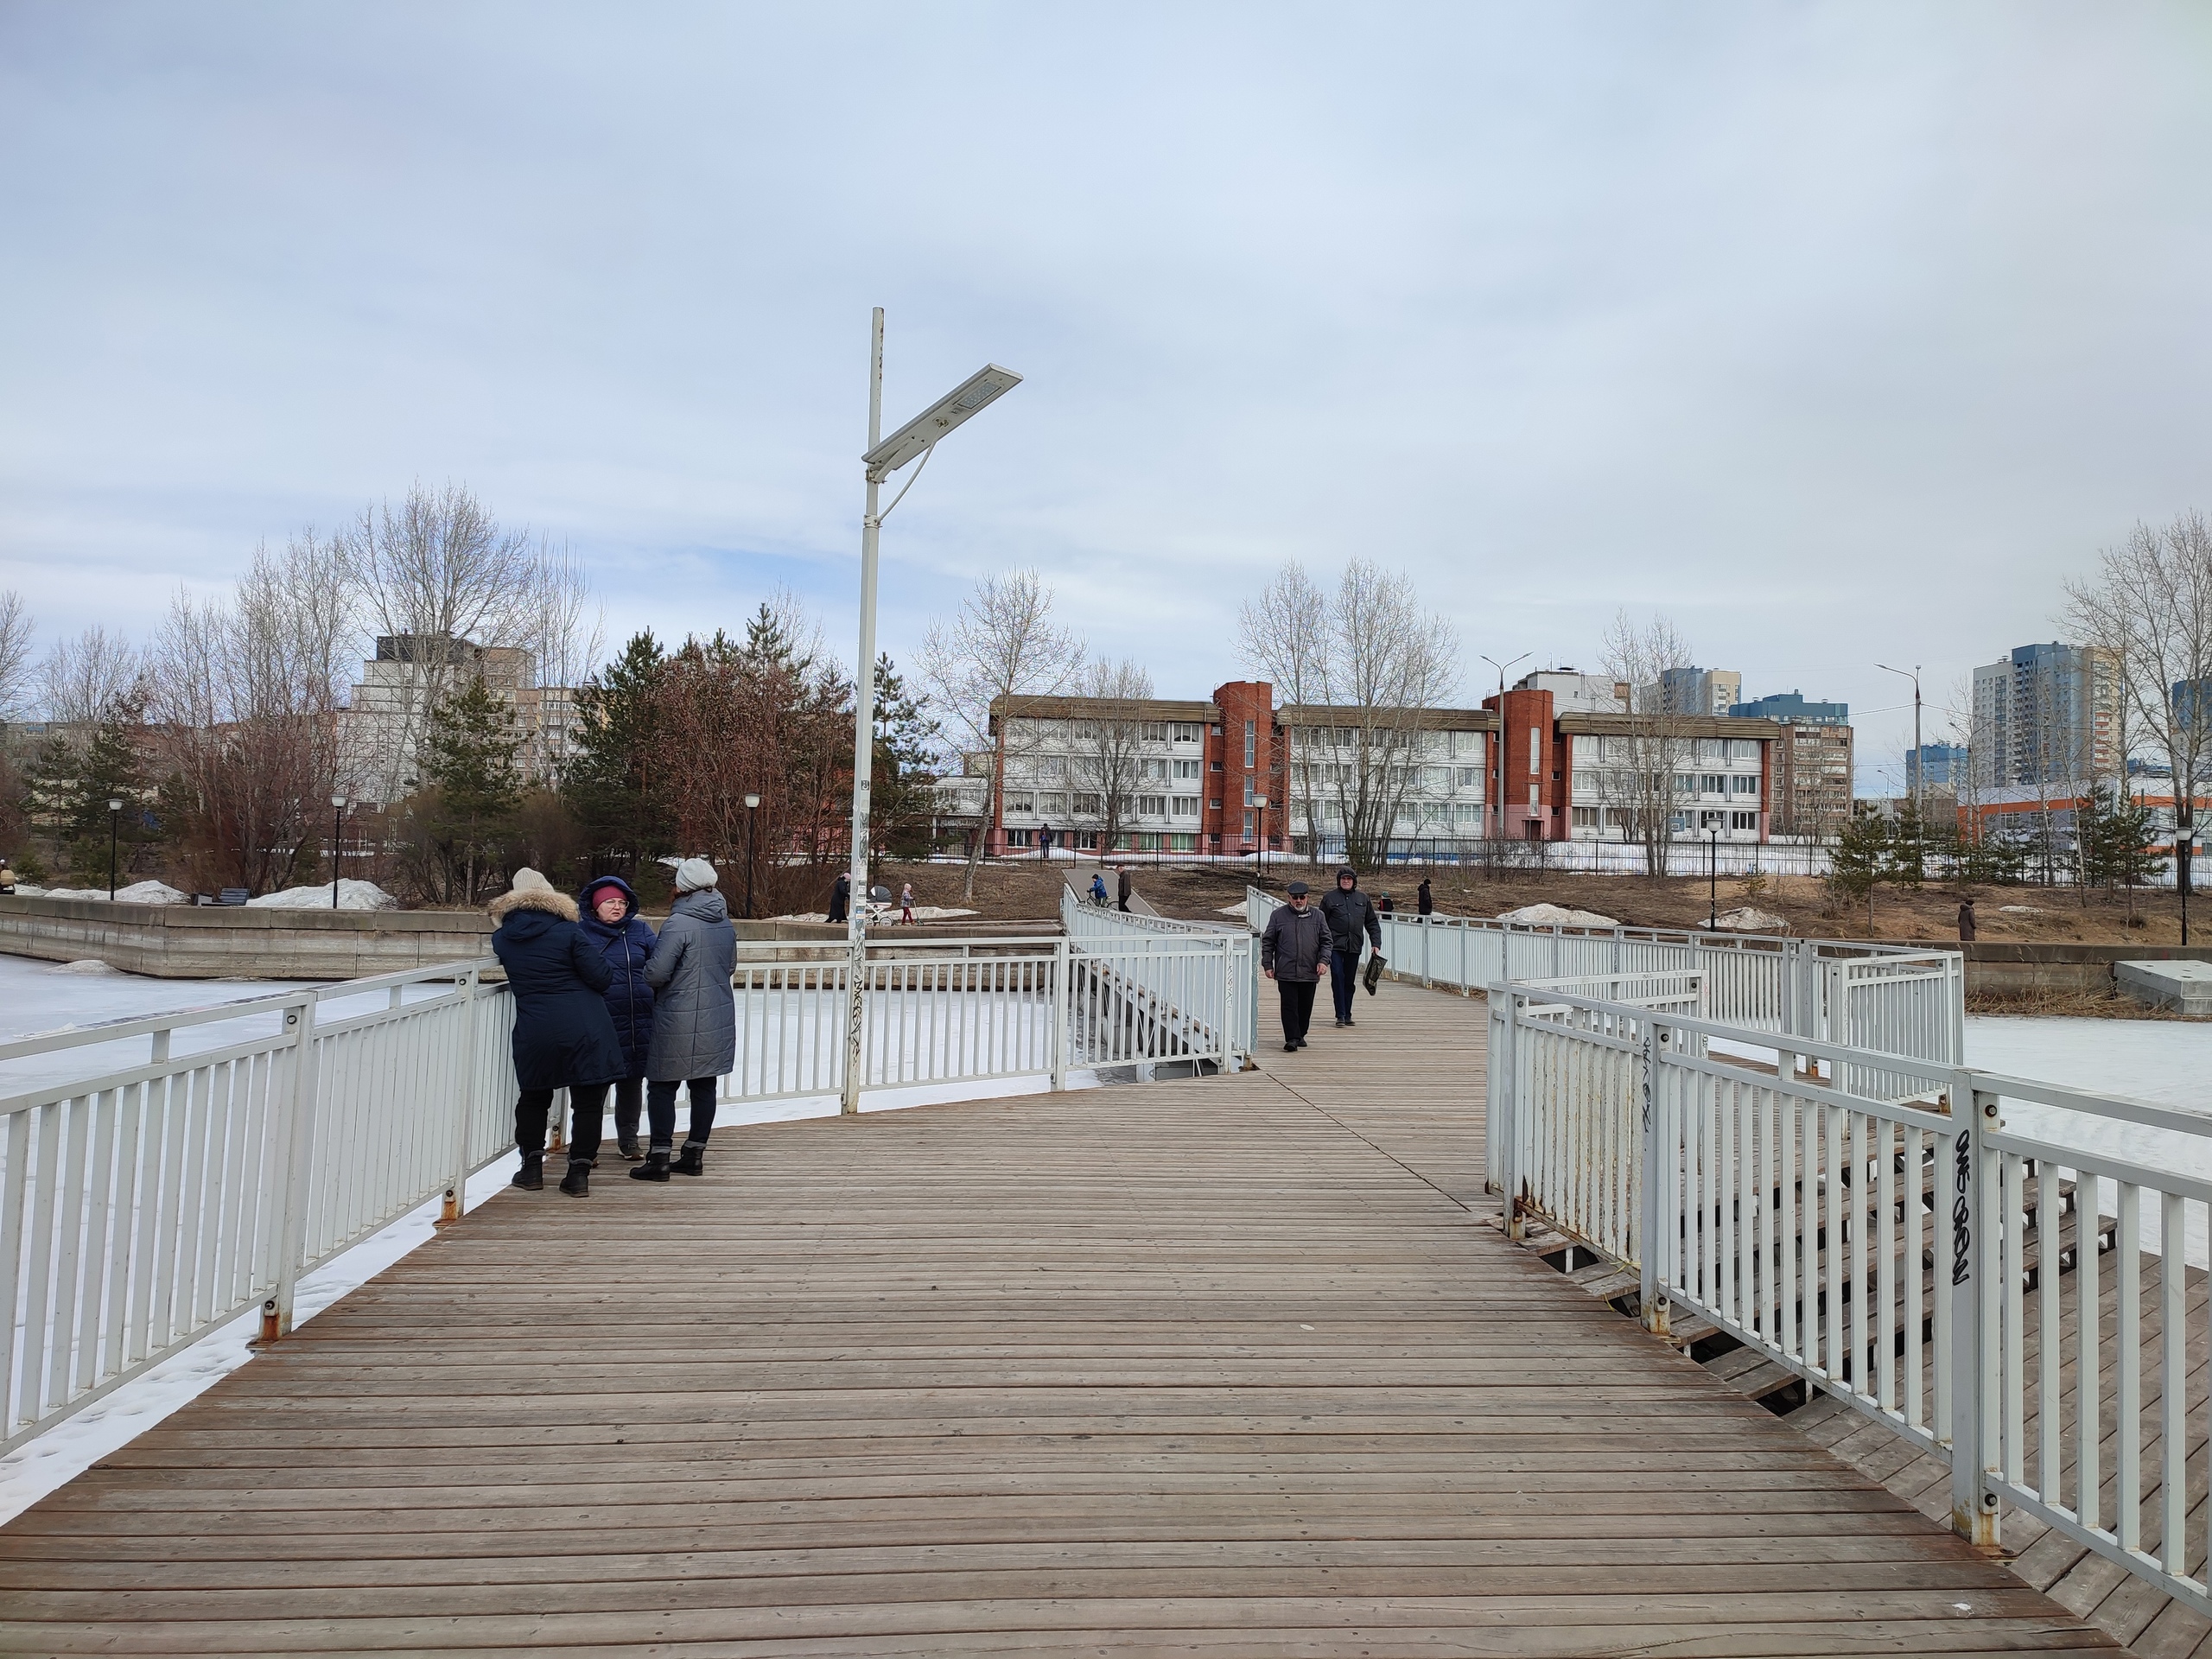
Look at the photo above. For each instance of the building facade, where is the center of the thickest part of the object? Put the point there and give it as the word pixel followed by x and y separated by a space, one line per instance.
pixel 381 731
pixel 1811 762
pixel 1935 766
pixel 1699 690
pixel 2047 715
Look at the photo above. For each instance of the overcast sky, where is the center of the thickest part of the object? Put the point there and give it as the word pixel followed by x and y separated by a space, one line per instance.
pixel 1838 332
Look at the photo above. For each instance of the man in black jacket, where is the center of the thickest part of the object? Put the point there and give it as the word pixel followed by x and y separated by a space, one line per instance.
pixel 1294 953
pixel 1348 913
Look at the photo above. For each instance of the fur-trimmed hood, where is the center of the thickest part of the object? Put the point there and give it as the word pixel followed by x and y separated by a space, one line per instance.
pixel 553 904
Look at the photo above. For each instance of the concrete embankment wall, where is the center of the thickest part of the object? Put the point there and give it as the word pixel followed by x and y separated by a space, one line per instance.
pixel 211 942
pixel 2010 968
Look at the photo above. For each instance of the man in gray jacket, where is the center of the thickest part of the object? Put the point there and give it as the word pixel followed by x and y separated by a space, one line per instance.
pixel 1294 953
pixel 1349 915
pixel 694 1018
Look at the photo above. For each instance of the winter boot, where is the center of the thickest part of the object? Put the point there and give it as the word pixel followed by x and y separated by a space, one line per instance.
pixel 655 1168
pixel 692 1160
pixel 631 1151
pixel 577 1182
pixel 531 1176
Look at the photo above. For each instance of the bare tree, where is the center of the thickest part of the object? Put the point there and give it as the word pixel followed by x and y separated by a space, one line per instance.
pixel 567 627
pixel 1001 646
pixel 18 635
pixel 1657 741
pixel 2149 604
pixel 97 676
pixel 435 573
pixel 1108 740
pixel 1370 666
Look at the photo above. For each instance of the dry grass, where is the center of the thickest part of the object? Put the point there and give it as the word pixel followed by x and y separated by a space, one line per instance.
pixel 2074 1005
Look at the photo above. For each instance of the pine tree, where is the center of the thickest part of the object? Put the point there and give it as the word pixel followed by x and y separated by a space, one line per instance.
pixel 468 761
pixel 2115 832
pixel 907 746
pixel 70 790
pixel 614 783
pixel 1861 858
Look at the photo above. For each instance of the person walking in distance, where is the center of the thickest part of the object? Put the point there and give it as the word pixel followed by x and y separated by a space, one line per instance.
pixel 1424 901
pixel 610 920
pixel 1294 953
pixel 1098 890
pixel 841 896
pixel 695 1019
pixel 564 1036
pixel 1349 915
pixel 1966 921
pixel 906 902
pixel 1127 884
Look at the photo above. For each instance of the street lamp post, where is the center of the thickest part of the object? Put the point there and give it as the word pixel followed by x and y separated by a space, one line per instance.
pixel 915 441
pixel 337 829
pixel 752 805
pixel 1919 761
pixel 1260 803
pixel 1713 881
pixel 114 832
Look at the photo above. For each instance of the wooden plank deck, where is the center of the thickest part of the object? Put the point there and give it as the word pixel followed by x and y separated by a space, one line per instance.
pixel 1225 1366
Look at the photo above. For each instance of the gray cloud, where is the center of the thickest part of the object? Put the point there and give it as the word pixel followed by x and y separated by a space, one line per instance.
pixel 1838 332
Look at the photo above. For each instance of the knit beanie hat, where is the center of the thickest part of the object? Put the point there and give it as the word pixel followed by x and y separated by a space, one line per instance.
pixel 694 873
pixel 529 880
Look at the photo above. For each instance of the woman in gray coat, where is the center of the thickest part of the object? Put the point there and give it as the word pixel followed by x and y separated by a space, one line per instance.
pixel 695 1019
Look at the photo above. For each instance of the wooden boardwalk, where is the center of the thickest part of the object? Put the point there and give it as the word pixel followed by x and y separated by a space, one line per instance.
pixel 1225 1367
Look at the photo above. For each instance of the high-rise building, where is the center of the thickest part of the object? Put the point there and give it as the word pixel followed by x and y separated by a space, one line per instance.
pixel 1701 690
pixel 383 729
pixel 1940 766
pixel 1812 763
pixel 1573 691
pixel 2046 714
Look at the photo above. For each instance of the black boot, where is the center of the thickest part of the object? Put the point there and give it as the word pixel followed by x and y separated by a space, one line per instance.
pixel 531 1176
pixel 631 1151
pixel 577 1182
pixel 692 1159
pixel 655 1168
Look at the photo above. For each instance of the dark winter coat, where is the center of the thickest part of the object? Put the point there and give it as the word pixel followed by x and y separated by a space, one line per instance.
pixel 626 948
pixel 1128 886
pixel 1427 902
pixel 841 895
pixel 563 1034
pixel 1347 914
pixel 1293 945
pixel 1966 924
pixel 695 1016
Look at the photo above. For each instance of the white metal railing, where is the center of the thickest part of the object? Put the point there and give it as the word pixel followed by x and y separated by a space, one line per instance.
pixel 1897 1000
pixel 143 1207
pixel 987 1008
pixel 1976 1284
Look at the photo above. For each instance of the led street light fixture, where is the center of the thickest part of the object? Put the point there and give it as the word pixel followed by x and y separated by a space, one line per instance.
pixel 979 389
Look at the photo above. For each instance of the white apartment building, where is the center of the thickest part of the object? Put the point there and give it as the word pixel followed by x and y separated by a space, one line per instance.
pixel 382 729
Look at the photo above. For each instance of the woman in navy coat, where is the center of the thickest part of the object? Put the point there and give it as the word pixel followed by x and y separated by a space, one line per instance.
pixel 610 921
pixel 563 1038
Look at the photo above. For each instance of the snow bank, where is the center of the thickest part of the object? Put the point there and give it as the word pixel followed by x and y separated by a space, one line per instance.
pixel 1749 918
pixel 91 966
pixel 138 892
pixel 922 914
pixel 1554 916
pixel 352 895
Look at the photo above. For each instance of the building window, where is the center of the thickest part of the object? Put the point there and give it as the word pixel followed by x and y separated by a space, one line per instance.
pixel 1745 785
pixel 1180 844
pixel 1021 801
pixel 1684 784
pixel 1535 749
pixel 1532 797
pixel 1743 748
pixel 1711 821
pixel 1712 783
pixel 1251 792
pixel 1183 806
pixel 1468 815
pixel 1248 826
pixel 1186 731
pixel 1186 769
pixel 1470 776
pixel 1089 806
pixel 1743 820
pixel 1152 806
pixel 1018 838
pixel 1213 806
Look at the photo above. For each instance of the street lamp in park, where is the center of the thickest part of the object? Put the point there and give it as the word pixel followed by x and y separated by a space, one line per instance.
pixel 752 805
pixel 1713 881
pixel 114 831
pixel 1260 802
pixel 337 830
pixel 915 441
pixel 1919 761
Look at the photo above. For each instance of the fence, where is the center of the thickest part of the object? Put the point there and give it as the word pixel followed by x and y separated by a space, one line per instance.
pixel 1119 990
pixel 1686 856
pixel 1915 1255
pixel 144 1207
pixel 1894 999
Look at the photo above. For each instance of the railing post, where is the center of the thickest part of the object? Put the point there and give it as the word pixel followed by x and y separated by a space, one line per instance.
pixel 289 1225
pixel 1975 1257
pixel 471 1068
pixel 1650 1291
pixel 1425 932
pixel 1061 954
pixel 1228 1004
pixel 1506 1006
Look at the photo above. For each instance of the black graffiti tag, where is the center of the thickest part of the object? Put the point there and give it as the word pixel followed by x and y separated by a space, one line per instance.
pixel 1962 1214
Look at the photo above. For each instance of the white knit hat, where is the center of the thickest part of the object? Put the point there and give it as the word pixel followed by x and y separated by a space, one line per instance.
pixel 529 880
pixel 694 873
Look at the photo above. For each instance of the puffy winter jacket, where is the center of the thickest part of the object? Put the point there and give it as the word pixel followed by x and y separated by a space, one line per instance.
pixel 695 1015
pixel 563 1034
pixel 1349 915
pixel 626 948
pixel 1293 944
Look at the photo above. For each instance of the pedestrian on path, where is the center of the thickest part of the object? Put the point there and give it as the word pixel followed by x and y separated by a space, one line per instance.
pixel 1349 915
pixel 695 1019
pixel 1966 922
pixel 609 919
pixel 1294 953
pixel 906 902
pixel 564 1036
pixel 840 896
pixel 1098 890
pixel 1425 900
pixel 1127 885
pixel 1382 903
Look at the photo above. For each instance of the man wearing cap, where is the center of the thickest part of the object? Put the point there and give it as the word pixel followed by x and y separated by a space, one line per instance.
pixel 1294 953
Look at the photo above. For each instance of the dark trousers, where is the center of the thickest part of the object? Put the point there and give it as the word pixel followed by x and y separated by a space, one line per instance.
pixel 660 1107
pixel 1297 1007
pixel 587 1109
pixel 629 1104
pixel 1343 980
